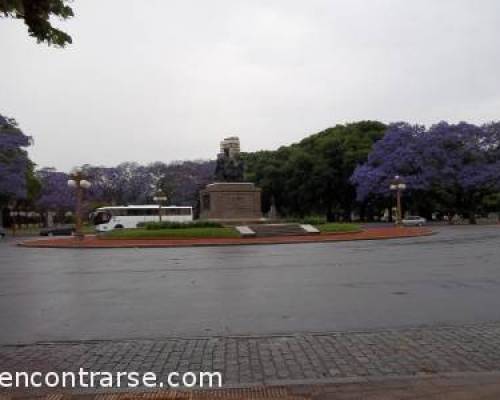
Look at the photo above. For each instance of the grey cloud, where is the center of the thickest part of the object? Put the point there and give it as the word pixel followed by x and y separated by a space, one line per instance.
pixel 167 80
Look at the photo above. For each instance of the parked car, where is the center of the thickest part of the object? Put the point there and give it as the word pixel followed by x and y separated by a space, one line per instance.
pixel 414 220
pixel 58 230
pixel 2 233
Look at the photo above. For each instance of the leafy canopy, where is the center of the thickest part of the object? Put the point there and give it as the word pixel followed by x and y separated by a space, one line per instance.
pixel 15 165
pixel 456 164
pixel 36 15
pixel 312 176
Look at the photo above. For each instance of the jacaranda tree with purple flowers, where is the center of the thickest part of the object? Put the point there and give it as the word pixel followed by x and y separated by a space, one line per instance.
pixel 14 161
pixel 55 195
pixel 452 167
pixel 127 183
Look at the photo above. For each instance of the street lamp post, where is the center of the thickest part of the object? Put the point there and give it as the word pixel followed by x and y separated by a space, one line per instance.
pixel 159 198
pixel 398 185
pixel 13 218
pixel 79 183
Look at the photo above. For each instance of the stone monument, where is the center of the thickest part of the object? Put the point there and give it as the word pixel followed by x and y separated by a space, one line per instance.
pixel 230 198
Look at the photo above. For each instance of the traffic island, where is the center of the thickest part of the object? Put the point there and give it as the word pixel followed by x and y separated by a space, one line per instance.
pixel 94 242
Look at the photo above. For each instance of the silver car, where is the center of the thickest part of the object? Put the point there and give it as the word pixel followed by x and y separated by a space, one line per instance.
pixel 414 220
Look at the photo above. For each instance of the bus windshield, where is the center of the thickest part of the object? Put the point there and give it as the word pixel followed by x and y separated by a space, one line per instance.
pixel 101 217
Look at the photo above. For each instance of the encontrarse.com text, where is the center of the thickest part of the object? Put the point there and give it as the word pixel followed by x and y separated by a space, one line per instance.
pixel 94 379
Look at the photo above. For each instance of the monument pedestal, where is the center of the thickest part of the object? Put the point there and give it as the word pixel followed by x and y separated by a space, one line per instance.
pixel 231 201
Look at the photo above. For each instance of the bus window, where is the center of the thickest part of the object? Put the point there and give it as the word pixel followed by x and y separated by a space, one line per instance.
pixel 101 217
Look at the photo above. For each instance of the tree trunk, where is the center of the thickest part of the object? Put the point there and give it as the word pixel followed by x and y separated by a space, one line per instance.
pixel 346 213
pixel 330 216
pixel 362 212
pixel 472 218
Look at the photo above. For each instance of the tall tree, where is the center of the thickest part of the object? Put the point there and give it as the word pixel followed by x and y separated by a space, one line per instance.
pixel 131 183
pixel 312 176
pixel 448 166
pixel 55 195
pixel 14 161
pixel 36 15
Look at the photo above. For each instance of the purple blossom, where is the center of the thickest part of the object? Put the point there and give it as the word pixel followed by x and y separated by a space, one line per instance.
pixel 128 183
pixel 55 194
pixel 461 159
pixel 14 161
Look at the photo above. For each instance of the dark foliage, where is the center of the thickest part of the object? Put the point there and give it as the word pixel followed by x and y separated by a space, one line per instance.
pixel 36 15
pixel 312 177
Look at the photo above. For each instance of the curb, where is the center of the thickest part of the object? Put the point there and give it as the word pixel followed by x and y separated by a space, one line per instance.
pixel 444 385
pixel 185 243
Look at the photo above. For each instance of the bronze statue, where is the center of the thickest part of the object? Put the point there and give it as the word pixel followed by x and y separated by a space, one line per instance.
pixel 230 166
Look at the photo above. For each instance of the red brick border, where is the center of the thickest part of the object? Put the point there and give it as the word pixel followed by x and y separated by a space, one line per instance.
pixel 92 242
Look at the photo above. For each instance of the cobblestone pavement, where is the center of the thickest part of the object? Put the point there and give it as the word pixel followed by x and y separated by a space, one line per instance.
pixel 275 360
pixel 450 387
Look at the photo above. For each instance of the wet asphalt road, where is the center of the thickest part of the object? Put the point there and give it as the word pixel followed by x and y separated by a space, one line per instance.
pixel 56 295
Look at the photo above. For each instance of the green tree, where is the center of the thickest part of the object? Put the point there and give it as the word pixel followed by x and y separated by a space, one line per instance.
pixel 14 160
pixel 36 15
pixel 312 176
pixel 33 184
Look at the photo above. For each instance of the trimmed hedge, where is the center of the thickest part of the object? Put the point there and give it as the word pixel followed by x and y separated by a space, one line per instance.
pixel 153 226
pixel 190 233
pixel 312 220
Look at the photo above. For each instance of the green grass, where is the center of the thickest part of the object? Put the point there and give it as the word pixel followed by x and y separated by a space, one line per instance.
pixel 175 233
pixel 88 229
pixel 206 232
pixel 178 225
pixel 336 227
pixel 311 220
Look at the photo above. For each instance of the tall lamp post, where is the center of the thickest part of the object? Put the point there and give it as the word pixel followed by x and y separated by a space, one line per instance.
pixel 160 198
pixel 79 183
pixel 13 218
pixel 398 185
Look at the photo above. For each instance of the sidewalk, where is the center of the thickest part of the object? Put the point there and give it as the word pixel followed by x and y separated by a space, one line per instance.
pixel 95 242
pixel 446 387
pixel 360 358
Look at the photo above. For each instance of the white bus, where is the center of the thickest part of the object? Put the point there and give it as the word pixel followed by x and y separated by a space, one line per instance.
pixel 108 218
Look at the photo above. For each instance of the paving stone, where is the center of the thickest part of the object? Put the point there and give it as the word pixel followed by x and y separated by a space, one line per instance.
pixel 246 360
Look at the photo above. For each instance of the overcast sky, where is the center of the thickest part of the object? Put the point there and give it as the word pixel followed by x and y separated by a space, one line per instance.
pixel 167 80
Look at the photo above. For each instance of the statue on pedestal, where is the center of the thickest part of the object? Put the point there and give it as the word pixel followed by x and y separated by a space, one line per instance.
pixel 230 198
pixel 229 167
